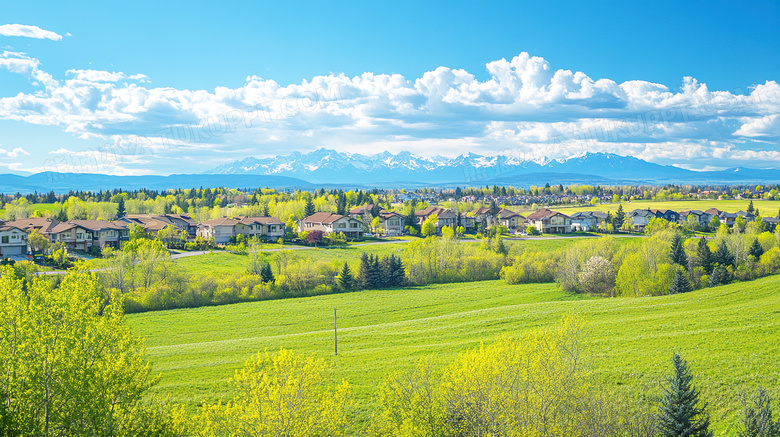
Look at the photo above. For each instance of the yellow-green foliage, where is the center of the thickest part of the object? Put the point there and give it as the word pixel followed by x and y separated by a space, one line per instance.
pixel 278 395
pixel 528 386
pixel 70 364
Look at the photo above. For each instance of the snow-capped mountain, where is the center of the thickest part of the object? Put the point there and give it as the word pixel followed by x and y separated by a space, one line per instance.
pixel 329 166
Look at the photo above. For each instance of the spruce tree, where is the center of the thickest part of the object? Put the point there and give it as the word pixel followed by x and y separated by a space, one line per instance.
pixel 681 414
pixel 375 272
pixel 704 255
pixel 120 208
pixel 756 249
pixel 723 256
pixel 411 218
pixel 345 278
pixel 309 210
pixel 266 212
pixel 266 275
pixel 750 208
pixel 757 416
pixel 620 217
pixel 399 272
pixel 678 252
pixel 364 274
pixel 680 284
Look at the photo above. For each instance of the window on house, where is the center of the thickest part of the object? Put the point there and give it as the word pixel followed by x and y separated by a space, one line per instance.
pixel 5 239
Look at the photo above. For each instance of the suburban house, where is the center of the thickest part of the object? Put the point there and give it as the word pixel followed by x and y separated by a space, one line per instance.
pixel 154 222
pixel 44 225
pixel 268 228
pixel 728 217
pixel 587 221
pixel 510 219
pixel 444 217
pixel 392 223
pixel 550 222
pixel 328 222
pixel 221 229
pixel 13 241
pixel 360 211
pixel 641 217
pixel 85 234
pixel 702 217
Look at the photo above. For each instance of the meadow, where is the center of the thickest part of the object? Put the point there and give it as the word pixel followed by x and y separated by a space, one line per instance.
pixel 222 262
pixel 728 334
pixel 768 208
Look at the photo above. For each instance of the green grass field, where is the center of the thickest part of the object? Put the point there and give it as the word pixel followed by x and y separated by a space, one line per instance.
pixel 220 262
pixel 768 208
pixel 728 334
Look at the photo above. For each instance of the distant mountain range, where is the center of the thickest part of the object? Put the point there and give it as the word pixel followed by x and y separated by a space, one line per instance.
pixel 329 168
pixel 326 166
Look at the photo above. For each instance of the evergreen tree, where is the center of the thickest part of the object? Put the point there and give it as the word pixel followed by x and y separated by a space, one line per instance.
pixel 704 255
pixel 750 208
pixel 266 212
pixel 756 249
pixel 62 216
pixel 266 275
pixel 411 219
pixel 501 247
pixel 757 416
pixel 680 284
pixel 345 278
pixel 494 209
pixel 723 256
pixel 678 252
pixel 120 208
pixel 620 217
pixel 398 272
pixel 681 414
pixel 309 210
pixel 364 274
pixel 720 276
pixel 375 272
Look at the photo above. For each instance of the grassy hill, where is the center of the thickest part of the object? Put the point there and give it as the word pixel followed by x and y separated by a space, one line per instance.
pixel 728 334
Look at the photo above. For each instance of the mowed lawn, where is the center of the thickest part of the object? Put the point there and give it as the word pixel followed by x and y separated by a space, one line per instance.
pixel 728 334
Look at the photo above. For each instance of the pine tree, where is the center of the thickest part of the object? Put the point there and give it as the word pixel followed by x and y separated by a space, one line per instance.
pixel 375 272
pixel 704 255
pixel 723 256
pixel 680 414
pixel 266 212
pixel 680 284
pixel 345 278
pixel 120 208
pixel 750 208
pixel 757 416
pixel 266 274
pixel 398 272
pixel 501 247
pixel 309 210
pixel 411 218
pixel 756 249
pixel 720 276
pixel 62 216
pixel 620 217
pixel 678 252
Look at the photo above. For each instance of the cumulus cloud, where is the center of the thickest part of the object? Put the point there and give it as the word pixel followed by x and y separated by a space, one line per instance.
pixel 16 152
pixel 524 105
pixel 28 32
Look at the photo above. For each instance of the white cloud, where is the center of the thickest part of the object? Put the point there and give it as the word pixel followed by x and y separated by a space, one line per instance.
pixel 16 152
pixel 28 32
pixel 524 105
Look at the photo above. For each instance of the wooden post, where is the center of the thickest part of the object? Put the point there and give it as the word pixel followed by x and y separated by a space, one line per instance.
pixel 335 334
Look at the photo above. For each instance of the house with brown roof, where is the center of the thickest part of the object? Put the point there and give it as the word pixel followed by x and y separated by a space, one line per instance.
pixel 85 234
pixel 391 222
pixel 328 222
pixel 154 222
pixel 550 222
pixel 221 229
pixel 268 228
pixel 444 217
pixel 44 225
pixel 13 241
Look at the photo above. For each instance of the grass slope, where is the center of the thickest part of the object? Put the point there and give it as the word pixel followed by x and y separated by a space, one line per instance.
pixel 728 334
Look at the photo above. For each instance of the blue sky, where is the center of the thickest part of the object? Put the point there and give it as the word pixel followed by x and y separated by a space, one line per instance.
pixel 155 88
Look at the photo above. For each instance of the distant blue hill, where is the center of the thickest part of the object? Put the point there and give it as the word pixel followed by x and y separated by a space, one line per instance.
pixel 332 169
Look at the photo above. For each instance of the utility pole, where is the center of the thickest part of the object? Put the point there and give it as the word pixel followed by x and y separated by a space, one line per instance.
pixel 335 334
